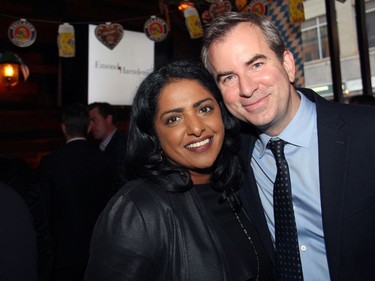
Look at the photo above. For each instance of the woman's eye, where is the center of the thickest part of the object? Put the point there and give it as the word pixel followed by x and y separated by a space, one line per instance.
pixel 172 119
pixel 206 109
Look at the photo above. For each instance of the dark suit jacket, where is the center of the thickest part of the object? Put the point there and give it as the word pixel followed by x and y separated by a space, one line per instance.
pixel 75 182
pixel 18 251
pixel 116 151
pixel 346 138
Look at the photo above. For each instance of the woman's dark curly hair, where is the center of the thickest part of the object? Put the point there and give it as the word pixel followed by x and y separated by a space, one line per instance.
pixel 143 148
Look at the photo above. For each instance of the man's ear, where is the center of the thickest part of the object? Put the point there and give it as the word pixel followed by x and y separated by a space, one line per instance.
pixel 63 129
pixel 110 119
pixel 289 65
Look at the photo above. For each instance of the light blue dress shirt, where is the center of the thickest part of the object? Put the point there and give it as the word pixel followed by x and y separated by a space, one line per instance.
pixel 301 152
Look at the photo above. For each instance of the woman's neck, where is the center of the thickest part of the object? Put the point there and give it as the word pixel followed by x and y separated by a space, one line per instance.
pixel 200 178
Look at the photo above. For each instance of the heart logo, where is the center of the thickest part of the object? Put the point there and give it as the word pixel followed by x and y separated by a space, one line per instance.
pixel 219 7
pixel 109 34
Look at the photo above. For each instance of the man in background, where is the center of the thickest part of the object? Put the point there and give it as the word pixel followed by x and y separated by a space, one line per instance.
pixel 75 182
pixel 112 141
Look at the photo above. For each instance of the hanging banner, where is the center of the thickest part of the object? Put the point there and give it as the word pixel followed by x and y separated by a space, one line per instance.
pixel 258 7
pixel 109 34
pixel 66 41
pixel 193 23
pixel 296 11
pixel 155 29
pixel 291 33
pixel 22 33
pixel 242 5
pixel 220 7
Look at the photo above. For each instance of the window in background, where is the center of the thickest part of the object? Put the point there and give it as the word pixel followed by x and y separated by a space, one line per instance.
pixel 315 39
pixel 370 23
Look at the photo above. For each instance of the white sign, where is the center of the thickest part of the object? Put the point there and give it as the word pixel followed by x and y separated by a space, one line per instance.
pixel 114 75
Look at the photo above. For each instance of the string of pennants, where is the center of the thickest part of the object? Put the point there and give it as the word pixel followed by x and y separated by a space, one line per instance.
pixel 22 33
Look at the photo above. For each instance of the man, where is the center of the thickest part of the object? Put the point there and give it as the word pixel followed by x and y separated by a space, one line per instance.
pixel 75 182
pixel 112 141
pixel 329 149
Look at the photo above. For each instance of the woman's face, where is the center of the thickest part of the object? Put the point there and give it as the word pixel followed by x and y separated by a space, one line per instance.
pixel 189 125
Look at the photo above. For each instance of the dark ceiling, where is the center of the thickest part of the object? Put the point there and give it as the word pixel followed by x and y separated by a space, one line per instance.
pixel 132 14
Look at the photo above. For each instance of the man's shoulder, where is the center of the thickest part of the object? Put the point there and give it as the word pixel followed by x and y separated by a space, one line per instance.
pixel 76 146
pixel 120 136
pixel 75 149
pixel 118 141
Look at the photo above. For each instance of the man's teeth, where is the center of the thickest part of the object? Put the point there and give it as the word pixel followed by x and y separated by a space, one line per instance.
pixel 198 144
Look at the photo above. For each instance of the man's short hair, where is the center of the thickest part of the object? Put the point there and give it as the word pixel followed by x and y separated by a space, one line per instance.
pixel 105 109
pixel 75 117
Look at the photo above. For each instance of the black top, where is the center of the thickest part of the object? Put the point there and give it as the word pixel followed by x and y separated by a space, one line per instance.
pixel 229 231
pixel 148 233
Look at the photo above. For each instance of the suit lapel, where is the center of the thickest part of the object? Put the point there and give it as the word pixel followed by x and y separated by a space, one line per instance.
pixel 333 162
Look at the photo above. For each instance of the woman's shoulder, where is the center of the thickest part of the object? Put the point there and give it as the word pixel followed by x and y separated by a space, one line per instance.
pixel 138 197
pixel 135 208
pixel 129 230
pixel 140 189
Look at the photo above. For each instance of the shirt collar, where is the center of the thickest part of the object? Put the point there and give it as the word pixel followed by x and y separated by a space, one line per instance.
pixel 300 130
pixel 75 139
pixel 106 141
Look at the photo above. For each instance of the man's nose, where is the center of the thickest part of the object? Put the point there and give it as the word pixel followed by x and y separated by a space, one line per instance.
pixel 248 86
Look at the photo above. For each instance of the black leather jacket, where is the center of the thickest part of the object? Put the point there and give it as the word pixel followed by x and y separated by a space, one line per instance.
pixel 147 233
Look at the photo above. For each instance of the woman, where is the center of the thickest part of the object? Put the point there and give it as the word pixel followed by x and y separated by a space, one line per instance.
pixel 167 223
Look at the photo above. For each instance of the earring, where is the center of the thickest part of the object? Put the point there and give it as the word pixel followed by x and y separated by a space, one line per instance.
pixel 161 154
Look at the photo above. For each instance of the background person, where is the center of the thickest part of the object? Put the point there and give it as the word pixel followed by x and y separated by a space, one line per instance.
pixel 330 149
pixel 16 174
pixel 112 141
pixel 74 182
pixel 18 246
pixel 167 223
pixel 362 100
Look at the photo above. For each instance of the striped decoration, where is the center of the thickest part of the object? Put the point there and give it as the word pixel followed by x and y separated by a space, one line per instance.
pixel 278 13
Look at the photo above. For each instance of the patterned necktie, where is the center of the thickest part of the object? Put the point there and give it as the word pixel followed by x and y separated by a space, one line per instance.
pixel 288 261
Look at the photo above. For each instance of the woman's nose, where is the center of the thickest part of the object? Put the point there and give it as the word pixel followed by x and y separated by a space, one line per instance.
pixel 195 126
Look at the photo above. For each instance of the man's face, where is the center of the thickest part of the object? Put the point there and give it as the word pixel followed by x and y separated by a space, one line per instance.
pixel 255 84
pixel 99 126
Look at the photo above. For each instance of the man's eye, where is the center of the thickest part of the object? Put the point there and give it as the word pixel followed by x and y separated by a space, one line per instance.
pixel 257 65
pixel 227 79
